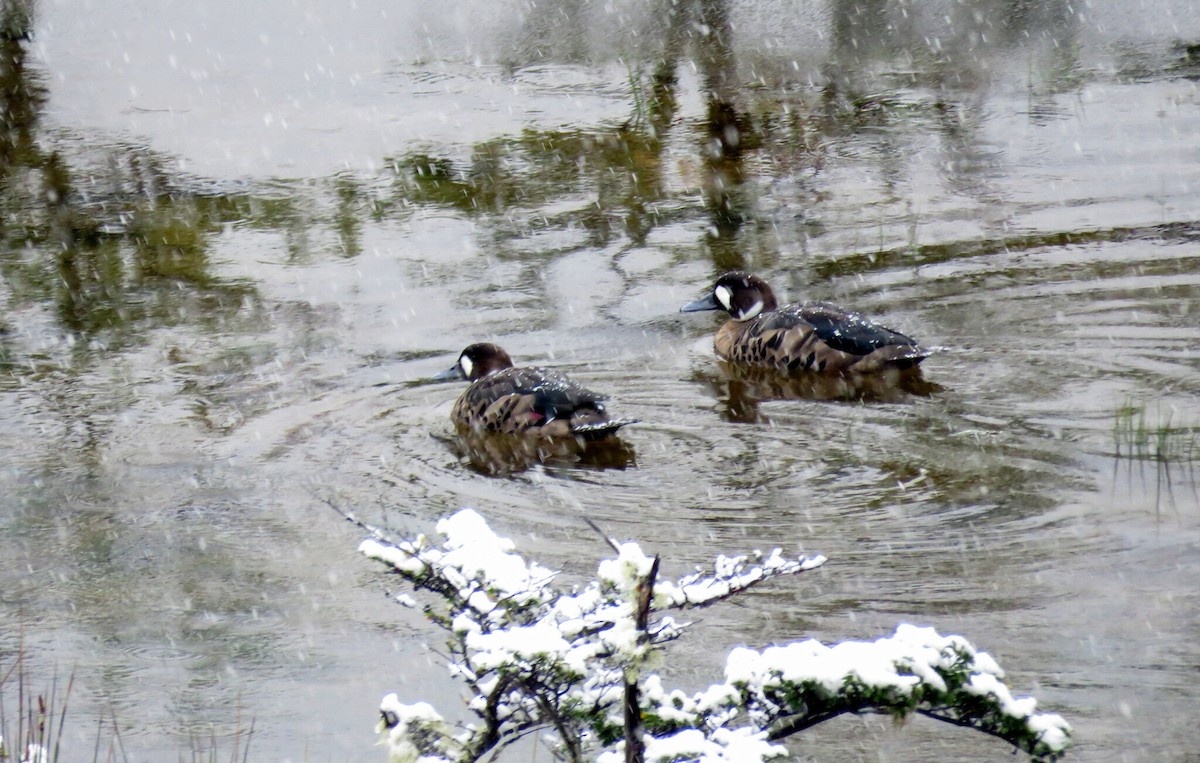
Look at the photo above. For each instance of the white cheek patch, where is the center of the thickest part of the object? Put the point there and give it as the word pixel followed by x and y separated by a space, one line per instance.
pixel 723 296
pixel 751 311
pixel 466 365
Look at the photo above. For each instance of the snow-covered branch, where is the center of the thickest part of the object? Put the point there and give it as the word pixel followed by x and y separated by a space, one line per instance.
pixel 785 689
pixel 575 663
pixel 730 576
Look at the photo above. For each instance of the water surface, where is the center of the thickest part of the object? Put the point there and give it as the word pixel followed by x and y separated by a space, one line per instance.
pixel 235 242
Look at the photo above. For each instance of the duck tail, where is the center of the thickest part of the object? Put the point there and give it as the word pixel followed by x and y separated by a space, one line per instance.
pixel 907 361
pixel 905 357
pixel 598 430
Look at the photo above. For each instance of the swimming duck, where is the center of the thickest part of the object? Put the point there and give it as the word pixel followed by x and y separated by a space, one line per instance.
pixel 538 401
pixel 813 336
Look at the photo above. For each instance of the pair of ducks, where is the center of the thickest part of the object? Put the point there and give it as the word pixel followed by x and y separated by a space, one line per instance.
pixel 813 337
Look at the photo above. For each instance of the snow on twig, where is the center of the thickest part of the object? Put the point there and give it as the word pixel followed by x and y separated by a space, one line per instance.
pixel 568 662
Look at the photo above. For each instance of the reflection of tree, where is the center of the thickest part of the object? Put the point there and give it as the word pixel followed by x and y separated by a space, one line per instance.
pixel 952 46
pixel 348 217
pixel 22 95
pixel 105 248
pixel 880 49
pixel 118 251
pixel 896 76
pixel 108 264
pixel 728 131
pixel 622 168
pixel 22 98
pixel 557 31
pixel 859 30
pixel 148 272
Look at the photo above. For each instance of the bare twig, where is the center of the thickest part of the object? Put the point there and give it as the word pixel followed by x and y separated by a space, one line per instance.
pixel 62 718
pixel 350 517
pixel 615 546
pixel 117 733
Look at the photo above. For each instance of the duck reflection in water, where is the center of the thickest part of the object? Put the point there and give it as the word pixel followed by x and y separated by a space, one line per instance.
pixel 740 389
pixel 510 418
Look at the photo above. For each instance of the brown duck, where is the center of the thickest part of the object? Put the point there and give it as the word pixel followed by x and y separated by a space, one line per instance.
pixel 524 401
pixel 813 336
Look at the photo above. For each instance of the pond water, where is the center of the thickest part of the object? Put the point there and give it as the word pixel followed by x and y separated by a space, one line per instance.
pixel 236 240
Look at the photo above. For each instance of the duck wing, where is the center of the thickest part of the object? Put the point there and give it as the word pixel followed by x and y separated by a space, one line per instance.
pixel 517 400
pixel 847 331
pixel 553 394
pixel 817 336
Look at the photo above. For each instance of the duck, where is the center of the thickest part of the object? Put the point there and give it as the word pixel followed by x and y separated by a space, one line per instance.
pixel 539 402
pixel 804 337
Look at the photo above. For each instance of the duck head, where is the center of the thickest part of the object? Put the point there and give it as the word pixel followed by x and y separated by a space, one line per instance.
pixel 742 295
pixel 476 362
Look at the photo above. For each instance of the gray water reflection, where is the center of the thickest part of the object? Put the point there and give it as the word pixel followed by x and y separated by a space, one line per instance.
pixel 230 249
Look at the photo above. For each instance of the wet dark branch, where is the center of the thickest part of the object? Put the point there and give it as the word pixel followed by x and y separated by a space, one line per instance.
pixel 970 723
pixel 635 747
pixel 491 719
pixel 798 723
pixel 435 583
pixel 570 740
pixel 645 596
pixel 510 737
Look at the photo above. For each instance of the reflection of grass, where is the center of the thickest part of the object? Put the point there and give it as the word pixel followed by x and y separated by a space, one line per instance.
pixel 932 253
pixel 536 168
pixel 209 751
pixel 170 243
pixel 1137 436
pixel 640 114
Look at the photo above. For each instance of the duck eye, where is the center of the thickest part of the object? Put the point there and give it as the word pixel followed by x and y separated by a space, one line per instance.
pixel 466 365
pixel 723 296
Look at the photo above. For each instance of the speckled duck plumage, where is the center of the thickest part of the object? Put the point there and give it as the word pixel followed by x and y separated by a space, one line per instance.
pixel 532 401
pixel 811 336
